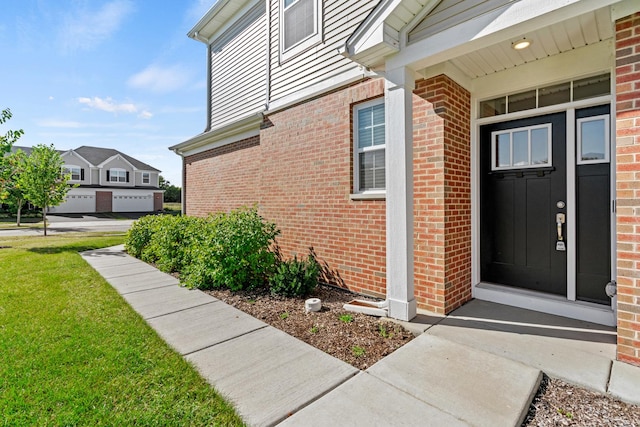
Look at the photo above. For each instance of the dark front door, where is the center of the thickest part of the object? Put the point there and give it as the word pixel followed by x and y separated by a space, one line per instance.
pixel 523 189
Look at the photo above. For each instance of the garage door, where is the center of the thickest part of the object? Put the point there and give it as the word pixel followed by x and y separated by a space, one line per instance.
pixel 129 203
pixel 76 204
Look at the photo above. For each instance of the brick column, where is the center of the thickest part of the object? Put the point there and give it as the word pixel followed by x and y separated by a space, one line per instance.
pixel 628 186
pixel 442 170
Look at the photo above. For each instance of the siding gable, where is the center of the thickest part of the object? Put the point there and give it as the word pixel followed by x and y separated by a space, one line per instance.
pixel 322 62
pixel 238 69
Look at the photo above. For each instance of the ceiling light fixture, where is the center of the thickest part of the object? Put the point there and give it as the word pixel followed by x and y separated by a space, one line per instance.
pixel 521 44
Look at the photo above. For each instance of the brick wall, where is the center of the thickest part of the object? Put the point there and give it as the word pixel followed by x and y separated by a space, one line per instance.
pixel 300 171
pixel 223 178
pixel 306 175
pixel 442 194
pixel 628 186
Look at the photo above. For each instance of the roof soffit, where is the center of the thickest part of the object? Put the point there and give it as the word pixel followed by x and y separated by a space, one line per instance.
pixel 220 18
pixel 495 20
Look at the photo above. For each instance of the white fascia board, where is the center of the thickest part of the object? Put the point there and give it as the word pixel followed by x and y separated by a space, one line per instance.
pixel 624 9
pixel 371 30
pixel 117 156
pixel 508 22
pixel 206 19
pixel 219 18
pixel 351 76
pixel 235 131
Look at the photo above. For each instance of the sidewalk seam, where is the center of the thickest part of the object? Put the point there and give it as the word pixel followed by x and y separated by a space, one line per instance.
pixel 316 398
pixel 143 290
pixel 177 311
pixel 226 340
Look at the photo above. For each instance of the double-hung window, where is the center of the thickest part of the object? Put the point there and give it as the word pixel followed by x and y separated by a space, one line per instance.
pixel 145 178
pixel 369 147
pixel 75 171
pixel 300 23
pixel 117 175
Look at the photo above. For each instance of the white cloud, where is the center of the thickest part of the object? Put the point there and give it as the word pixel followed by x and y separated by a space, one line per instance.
pixel 54 123
pixel 161 79
pixel 83 29
pixel 108 105
pixel 51 98
pixel 145 114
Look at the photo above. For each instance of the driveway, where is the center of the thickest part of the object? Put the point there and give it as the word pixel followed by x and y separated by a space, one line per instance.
pixel 75 223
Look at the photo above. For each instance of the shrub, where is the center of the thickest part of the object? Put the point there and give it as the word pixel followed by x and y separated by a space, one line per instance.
pixel 139 235
pixel 232 251
pixel 170 241
pixel 295 278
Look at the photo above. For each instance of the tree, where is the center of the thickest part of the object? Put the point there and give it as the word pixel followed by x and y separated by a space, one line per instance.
pixel 42 179
pixel 12 192
pixel 8 139
pixel 172 193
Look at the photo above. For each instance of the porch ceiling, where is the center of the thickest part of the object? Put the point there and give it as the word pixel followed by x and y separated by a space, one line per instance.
pixel 576 32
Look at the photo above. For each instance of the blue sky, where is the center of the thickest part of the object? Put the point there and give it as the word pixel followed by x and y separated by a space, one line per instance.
pixel 116 74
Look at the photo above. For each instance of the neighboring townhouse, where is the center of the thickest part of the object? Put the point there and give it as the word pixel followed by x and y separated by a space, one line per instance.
pixel 108 181
pixel 435 151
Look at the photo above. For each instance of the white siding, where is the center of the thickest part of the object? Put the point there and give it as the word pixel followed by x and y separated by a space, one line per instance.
pixel 117 163
pixel 71 159
pixel 238 69
pixel 321 62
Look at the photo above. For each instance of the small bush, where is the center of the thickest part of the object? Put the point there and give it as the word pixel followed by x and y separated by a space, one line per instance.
pixel 295 278
pixel 140 234
pixel 232 251
pixel 170 242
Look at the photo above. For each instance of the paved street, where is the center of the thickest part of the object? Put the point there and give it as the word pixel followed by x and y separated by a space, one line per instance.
pixel 72 223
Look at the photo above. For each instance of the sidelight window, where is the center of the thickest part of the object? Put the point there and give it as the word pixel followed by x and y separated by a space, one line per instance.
pixel 593 140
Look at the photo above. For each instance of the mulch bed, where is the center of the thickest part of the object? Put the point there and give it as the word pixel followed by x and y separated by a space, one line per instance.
pixel 364 340
pixel 355 338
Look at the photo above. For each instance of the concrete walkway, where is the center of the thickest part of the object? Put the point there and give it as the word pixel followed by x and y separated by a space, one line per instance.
pixel 480 366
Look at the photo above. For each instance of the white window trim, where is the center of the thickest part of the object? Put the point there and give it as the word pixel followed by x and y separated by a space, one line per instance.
pixel 112 170
pixel 366 194
pixel 148 174
pixel 494 136
pixel 607 143
pixel 70 169
pixel 304 44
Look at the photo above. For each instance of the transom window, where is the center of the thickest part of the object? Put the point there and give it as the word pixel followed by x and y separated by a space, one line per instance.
pixel 528 147
pixel 75 171
pixel 300 25
pixel 117 175
pixel 555 94
pixel 593 139
pixel 369 146
pixel 145 178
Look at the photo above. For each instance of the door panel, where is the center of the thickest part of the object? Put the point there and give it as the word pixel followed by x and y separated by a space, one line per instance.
pixel 517 214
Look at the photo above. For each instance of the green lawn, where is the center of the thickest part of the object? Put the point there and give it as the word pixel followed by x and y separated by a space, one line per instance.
pixel 173 207
pixel 72 352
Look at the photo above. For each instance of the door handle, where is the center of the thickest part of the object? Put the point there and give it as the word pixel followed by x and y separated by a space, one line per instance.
pixel 560 219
